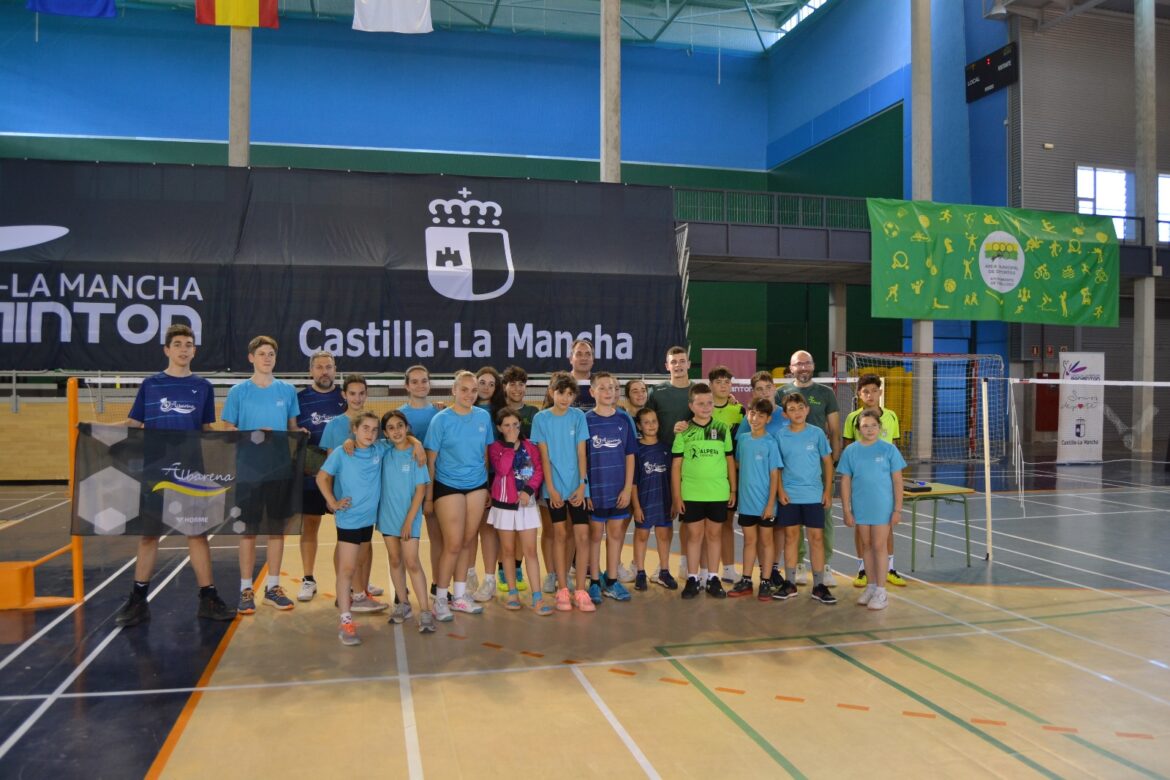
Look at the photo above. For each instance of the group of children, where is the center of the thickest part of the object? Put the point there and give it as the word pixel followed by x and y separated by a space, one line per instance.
pixel 488 471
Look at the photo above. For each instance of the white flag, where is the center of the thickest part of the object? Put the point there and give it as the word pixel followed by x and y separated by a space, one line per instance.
pixel 400 16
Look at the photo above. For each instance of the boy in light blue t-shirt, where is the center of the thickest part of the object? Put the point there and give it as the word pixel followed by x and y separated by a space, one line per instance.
pixel 806 495
pixel 262 402
pixel 758 456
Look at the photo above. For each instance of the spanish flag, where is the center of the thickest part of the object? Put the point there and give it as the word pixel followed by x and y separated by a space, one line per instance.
pixel 237 13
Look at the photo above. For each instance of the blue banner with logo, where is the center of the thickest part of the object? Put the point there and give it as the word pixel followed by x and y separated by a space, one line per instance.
pixel 135 481
pixel 383 270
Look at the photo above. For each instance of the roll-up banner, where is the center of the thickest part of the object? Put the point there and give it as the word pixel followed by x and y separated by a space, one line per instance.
pixel 1082 407
pixel 383 270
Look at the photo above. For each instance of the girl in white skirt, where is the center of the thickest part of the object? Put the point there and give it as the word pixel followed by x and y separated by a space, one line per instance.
pixel 516 476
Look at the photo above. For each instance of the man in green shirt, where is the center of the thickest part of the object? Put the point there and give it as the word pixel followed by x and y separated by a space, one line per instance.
pixel 671 402
pixel 824 413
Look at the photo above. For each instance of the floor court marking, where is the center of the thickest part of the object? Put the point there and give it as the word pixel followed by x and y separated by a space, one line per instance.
pixel 616 725
pixel 1112 482
pixel 230 688
pixel 1043 653
pixel 1139 586
pixel 32 719
pixel 1016 708
pixel 405 695
pixel 22 503
pixel 1111 502
pixel 19 520
pixel 53 624
pixel 945 713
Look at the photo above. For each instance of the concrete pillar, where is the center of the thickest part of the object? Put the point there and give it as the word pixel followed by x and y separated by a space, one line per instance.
pixel 611 91
pixel 240 98
pixel 922 188
pixel 837 318
pixel 1146 182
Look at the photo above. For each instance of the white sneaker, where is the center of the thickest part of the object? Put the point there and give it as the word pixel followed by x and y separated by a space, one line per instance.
pixel 828 579
pixel 730 574
pixel 550 583
pixel 866 595
pixel 486 591
pixel 464 604
pixel 401 613
pixel 801 574
pixel 682 573
pixel 472 580
pixel 374 590
pixel 879 600
pixel 443 611
pixel 627 573
pixel 360 602
pixel 308 590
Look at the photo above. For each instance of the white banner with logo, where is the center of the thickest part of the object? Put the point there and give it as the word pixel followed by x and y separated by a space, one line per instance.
pixel 1082 405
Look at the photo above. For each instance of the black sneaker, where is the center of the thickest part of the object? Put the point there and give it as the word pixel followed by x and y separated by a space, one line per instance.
pixel 786 591
pixel 133 612
pixel 640 581
pixel 715 588
pixel 822 594
pixel 691 589
pixel 777 579
pixel 214 608
pixel 666 580
pixel 766 590
pixel 742 588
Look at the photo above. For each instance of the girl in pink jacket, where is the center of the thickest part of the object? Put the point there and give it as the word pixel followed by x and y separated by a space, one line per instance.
pixel 516 475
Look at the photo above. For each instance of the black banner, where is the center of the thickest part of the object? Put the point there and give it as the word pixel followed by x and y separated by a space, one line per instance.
pixel 96 260
pixel 134 481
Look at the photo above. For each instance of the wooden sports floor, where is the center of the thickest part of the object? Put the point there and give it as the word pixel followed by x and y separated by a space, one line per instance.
pixel 1052 659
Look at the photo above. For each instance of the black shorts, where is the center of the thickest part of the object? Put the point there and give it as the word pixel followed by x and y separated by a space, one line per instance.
pixel 577 515
pixel 313 503
pixel 715 511
pixel 355 535
pixel 748 521
pixel 808 515
pixel 446 490
pixel 266 507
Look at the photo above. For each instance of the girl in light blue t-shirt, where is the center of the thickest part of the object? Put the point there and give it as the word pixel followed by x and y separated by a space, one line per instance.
pixel 871 495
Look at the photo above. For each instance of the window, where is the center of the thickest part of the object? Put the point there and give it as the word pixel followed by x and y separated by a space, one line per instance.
pixel 800 15
pixel 1110 192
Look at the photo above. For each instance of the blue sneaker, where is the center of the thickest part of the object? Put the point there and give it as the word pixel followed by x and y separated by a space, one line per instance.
pixel 640 581
pixel 595 593
pixel 520 583
pixel 616 591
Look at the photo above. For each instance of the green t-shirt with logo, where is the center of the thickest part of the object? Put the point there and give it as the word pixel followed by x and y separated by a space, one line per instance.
pixel 672 404
pixel 704 450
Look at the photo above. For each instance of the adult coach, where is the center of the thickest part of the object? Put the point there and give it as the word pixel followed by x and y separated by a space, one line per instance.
pixel 824 413
pixel 174 400
pixel 319 403
pixel 262 403
pixel 581 369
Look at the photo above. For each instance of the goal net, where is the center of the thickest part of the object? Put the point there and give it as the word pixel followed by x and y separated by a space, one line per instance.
pixel 953 384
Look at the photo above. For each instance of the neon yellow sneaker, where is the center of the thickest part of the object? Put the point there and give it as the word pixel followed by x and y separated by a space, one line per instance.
pixel 860 581
pixel 894 578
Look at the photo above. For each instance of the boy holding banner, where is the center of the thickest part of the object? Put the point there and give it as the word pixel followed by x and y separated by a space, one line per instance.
pixel 262 403
pixel 196 411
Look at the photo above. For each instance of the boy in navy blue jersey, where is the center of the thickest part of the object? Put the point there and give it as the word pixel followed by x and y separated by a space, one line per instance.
pixel 651 502
pixel 320 402
pixel 610 456
pixel 758 456
pixel 174 400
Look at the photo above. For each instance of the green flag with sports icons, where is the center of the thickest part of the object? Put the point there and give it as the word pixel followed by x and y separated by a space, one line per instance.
pixel 945 261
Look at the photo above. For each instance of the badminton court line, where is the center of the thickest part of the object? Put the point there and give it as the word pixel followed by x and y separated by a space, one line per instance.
pixel 22 503
pixel 405 695
pixel 19 520
pixel 617 726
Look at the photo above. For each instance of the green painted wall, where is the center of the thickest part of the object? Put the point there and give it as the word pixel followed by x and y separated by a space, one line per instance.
pixel 271 156
pixel 864 161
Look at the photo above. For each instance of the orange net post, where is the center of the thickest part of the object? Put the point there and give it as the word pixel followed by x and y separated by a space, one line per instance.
pixel 75 542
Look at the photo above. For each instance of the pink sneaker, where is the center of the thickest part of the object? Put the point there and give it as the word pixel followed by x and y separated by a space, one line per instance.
pixel 563 601
pixel 584 603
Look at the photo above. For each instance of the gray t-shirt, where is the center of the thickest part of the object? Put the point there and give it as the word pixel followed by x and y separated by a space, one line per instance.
pixel 821 402
pixel 672 404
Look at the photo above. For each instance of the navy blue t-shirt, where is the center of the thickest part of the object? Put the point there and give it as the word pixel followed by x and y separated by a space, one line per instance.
pixel 174 403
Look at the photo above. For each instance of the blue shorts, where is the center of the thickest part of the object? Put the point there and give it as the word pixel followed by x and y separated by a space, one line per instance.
pixel 663 522
pixel 808 515
pixel 604 515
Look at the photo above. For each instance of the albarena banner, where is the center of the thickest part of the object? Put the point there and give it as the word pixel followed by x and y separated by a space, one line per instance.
pixel 945 261
pixel 135 481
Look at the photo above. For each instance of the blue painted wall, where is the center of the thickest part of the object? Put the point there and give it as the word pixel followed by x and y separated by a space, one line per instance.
pixel 157 74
